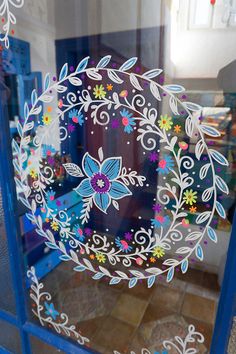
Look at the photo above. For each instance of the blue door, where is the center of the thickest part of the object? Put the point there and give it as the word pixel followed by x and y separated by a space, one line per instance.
pixel 117 177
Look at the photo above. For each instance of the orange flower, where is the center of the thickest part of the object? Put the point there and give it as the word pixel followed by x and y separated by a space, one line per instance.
pixel 152 259
pixel 109 87
pixel 177 128
pixel 92 256
pixel 193 209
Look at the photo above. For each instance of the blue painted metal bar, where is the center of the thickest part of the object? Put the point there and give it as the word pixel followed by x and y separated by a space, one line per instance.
pixel 55 340
pixel 11 219
pixel 227 303
pixel 4 351
pixel 6 316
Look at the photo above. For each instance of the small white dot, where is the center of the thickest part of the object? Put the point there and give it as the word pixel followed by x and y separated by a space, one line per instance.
pixel 147 185
pixel 144 153
pixel 168 134
pixel 173 243
pixel 189 230
pixel 165 208
pixel 86 118
pixel 133 91
pixel 198 185
pixel 69 136
pixel 128 142
pixel 129 169
pixel 64 152
pixel 152 227
pixel 137 185
pixel 106 128
pixel 59 184
pixel 132 230
pixel 107 230
pixel 89 87
pixel 149 104
pixel 158 150
pixel 140 217
pixel 77 217
pixel 182 208
pixel 113 114
pixel 164 177
pixel 193 172
pixel 133 243
pixel 135 128
pixel 65 123
pixel 154 199
pixel 109 97
pixel 92 132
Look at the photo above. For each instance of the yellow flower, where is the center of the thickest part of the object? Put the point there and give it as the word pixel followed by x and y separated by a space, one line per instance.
pixel 177 128
pixel 158 252
pixel 100 257
pixel 152 259
pixel 190 196
pixel 99 92
pixel 165 122
pixel 193 209
pixel 54 225
pixel 109 87
pixel 47 119
pixel 33 173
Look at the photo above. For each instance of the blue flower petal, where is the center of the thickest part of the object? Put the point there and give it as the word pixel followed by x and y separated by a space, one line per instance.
pixel 111 167
pixel 90 165
pixel 119 190
pixel 102 201
pixel 84 188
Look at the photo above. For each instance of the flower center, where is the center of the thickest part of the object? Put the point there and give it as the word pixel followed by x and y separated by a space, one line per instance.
pixel 124 244
pixel 100 183
pixel 125 121
pixel 162 164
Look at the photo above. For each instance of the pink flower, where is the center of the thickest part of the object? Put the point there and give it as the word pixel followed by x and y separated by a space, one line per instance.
pixel 139 261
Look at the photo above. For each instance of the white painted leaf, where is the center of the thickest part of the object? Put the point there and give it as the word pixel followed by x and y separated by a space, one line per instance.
pixel 152 73
pixel 115 204
pixel 92 74
pixel 199 148
pixel 209 130
pixel 114 77
pixel 203 217
pixel 207 194
pixel 217 156
pixel 75 81
pixel 189 126
pixel 192 106
pixel 222 185
pixel 155 91
pixel 204 170
pixel 73 170
pixel 134 81
pixel 193 236
pixel 173 105
pixel 104 61
pixel 100 154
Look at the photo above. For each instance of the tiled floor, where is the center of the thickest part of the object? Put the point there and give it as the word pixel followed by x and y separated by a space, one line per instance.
pixel 122 319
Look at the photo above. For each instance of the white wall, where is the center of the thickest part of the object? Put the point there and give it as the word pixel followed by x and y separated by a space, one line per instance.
pixel 199 53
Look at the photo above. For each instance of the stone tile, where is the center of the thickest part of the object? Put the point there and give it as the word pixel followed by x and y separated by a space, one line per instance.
pixel 156 313
pixel 129 309
pixel 201 291
pixel 90 327
pixel 113 335
pixel 140 290
pixel 210 281
pixel 167 297
pixel 199 308
pixel 193 276
pixel 205 328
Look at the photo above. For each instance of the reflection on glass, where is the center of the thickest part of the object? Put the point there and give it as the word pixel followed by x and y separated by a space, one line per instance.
pixel 87 187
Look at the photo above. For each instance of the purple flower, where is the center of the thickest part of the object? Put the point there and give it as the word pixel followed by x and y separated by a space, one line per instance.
pixel 71 128
pixel 153 156
pixel 157 208
pixel 128 236
pixel 51 160
pixel 115 123
pixel 88 231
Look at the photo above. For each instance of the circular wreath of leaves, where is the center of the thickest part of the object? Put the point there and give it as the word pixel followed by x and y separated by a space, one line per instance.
pixel 191 123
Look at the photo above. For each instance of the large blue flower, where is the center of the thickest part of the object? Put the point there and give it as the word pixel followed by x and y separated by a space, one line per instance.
pixel 76 116
pixel 101 183
pixel 165 165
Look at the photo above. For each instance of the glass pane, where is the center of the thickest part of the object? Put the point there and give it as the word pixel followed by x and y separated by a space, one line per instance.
pixel 123 179
pixel 9 337
pixel 7 301
pixel 39 347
